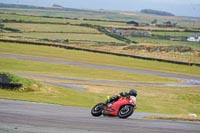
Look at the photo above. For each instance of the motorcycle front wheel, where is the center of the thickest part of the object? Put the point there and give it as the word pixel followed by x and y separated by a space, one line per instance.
pixel 125 111
pixel 97 109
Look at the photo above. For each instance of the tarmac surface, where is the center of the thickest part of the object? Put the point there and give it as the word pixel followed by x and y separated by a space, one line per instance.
pixel 29 117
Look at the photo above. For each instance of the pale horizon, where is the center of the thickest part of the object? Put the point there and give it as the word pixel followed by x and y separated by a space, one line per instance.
pixel 177 7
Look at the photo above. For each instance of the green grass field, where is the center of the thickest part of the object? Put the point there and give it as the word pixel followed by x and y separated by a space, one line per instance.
pixel 24 66
pixel 57 20
pixel 94 58
pixel 55 95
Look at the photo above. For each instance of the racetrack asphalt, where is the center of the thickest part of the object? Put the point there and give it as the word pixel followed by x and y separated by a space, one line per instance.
pixel 29 117
pixel 188 81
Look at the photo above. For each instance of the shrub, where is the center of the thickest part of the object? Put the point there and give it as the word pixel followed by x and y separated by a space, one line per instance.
pixel 26 84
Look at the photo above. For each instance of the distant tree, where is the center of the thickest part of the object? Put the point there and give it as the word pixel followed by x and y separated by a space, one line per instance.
pixel 57 6
pixel 66 41
pixel 156 12
pixel 155 21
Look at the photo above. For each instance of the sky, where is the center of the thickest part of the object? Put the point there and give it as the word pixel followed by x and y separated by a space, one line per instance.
pixel 177 7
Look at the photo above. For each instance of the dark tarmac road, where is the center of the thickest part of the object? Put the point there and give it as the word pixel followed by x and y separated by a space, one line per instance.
pixel 29 117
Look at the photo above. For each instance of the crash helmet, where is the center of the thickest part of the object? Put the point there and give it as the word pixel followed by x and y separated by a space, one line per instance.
pixel 133 92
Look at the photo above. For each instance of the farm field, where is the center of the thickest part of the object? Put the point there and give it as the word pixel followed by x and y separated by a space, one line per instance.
pixel 156 41
pixel 172 33
pixel 59 32
pixel 57 20
pixel 31 27
pixel 64 36
pixel 77 33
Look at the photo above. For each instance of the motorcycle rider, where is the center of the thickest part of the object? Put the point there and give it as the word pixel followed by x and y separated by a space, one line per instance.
pixel 132 94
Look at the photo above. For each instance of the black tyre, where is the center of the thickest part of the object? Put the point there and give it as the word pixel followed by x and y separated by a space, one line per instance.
pixel 126 111
pixel 97 109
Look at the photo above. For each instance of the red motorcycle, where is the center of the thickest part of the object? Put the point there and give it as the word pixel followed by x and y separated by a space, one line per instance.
pixel 122 106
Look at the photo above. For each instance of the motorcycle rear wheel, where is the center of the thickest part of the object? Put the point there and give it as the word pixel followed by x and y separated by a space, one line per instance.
pixel 97 109
pixel 125 111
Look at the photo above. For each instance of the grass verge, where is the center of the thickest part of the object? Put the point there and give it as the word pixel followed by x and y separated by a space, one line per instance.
pixel 55 95
pixel 37 92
